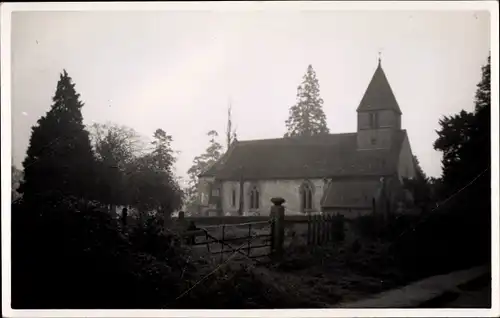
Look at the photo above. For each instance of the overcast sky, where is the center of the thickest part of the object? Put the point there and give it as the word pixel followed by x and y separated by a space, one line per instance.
pixel 177 70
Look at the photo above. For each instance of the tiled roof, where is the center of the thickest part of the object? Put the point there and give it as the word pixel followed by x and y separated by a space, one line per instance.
pixel 350 193
pixel 379 94
pixel 321 156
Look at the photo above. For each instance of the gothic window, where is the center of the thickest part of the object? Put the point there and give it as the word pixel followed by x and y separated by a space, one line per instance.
pixel 374 141
pixel 233 198
pixel 306 197
pixel 254 198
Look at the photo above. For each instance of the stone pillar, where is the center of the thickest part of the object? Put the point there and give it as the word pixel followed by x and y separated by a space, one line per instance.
pixel 277 215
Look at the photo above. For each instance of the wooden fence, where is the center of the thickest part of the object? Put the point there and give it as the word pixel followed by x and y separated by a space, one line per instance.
pixel 246 235
pixel 325 228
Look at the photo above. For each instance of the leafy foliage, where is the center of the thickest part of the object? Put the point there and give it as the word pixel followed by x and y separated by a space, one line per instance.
pixel 116 148
pixel 200 164
pixel 131 175
pixel 17 176
pixel 150 179
pixel 464 140
pixel 420 187
pixel 67 251
pixel 59 159
pixel 458 233
pixel 306 117
pixel 83 260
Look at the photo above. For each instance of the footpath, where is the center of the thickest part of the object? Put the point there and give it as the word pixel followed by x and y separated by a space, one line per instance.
pixel 454 290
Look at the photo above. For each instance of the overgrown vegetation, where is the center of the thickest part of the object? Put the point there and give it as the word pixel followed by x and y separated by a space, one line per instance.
pixel 69 251
pixel 458 232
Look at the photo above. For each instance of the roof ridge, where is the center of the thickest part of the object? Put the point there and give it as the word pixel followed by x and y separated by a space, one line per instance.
pixel 222 159
pixel 247 141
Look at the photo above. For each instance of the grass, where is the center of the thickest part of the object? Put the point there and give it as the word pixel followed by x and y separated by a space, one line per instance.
pixel 305 277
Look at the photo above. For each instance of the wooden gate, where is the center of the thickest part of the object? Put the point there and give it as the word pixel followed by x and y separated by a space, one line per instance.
pixel 249 240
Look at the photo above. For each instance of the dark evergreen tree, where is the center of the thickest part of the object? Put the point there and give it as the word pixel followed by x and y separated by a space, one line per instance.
pixel 306 117
pixel 465 187
pixel 60 160
pixel 464 140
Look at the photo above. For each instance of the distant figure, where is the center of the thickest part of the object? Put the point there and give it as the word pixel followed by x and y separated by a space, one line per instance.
pixel 124 216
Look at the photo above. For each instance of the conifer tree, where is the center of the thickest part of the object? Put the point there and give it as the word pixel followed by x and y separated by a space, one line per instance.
pixel 306 117
pixel 60 160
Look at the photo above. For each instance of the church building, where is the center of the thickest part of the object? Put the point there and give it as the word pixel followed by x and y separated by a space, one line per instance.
pixel 349 173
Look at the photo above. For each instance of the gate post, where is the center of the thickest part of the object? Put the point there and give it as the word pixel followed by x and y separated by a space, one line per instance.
pixel 277 226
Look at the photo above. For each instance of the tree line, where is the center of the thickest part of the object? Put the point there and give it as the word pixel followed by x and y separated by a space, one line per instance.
pixel 106 164
pixel 68 252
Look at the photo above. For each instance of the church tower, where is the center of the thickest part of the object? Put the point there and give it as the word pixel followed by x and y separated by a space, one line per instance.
pixel 379 116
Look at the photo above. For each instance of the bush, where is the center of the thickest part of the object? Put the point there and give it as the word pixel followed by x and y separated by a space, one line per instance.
pixel 69 257
pixel 374 227
pixel 444 242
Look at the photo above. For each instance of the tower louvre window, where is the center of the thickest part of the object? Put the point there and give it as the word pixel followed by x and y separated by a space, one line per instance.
pixel 373 120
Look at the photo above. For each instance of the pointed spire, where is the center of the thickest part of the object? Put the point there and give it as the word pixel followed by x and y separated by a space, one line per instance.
pixel 379 95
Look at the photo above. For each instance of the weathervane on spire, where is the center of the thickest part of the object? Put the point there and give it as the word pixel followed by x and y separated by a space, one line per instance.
pixel 379 57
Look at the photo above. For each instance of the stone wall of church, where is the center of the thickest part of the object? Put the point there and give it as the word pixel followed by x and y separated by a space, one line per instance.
pixel 406 166
pixel 287 189
pixel 375 138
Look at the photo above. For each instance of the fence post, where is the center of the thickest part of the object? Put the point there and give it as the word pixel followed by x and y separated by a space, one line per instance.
pixel 249 238
pixel 309 229
pixel 222 242
pixel 314 230
pixel 278 226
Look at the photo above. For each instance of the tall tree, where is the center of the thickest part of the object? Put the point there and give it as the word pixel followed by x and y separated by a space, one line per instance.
pixel 59 161
pixel 464 140
pixel 116 147
pixel 200 164
pixel 151 180
pixel 230 132
pixel 306 117
pixel 163 154
pixel 459 236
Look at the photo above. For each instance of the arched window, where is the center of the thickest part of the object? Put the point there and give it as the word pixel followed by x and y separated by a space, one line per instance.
pixel 233 198
pixel 254 198
pixel 306 197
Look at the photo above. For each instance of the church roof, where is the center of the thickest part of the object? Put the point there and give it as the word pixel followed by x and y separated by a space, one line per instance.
pixel 350 194
pixel 321 156
pixel 379 95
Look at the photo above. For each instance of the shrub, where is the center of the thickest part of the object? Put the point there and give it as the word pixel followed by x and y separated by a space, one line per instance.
pixel 64 257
